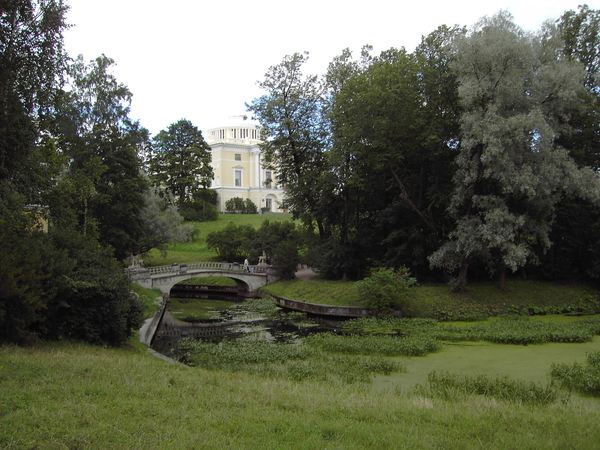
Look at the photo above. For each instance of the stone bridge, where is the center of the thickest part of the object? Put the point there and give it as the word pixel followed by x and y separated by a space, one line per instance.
pixel 163 278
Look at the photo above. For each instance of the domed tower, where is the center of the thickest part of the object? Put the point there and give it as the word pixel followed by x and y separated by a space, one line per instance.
pixel 237 165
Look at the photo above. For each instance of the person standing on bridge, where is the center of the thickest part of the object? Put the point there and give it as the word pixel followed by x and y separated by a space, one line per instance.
pixel 246 265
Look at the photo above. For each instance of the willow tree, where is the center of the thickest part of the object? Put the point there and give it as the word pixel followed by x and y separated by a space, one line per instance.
pixel 517 97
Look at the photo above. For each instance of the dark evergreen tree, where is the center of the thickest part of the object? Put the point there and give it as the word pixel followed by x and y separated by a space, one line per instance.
pixel 181 161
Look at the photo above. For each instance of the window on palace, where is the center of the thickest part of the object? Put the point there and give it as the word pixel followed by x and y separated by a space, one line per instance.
pixel 238 177
pixel 269 204
pixel 268 179
pixel 238 157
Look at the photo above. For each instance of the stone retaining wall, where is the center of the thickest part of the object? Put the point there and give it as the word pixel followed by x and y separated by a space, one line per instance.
pixel 148 331
pixel 326 310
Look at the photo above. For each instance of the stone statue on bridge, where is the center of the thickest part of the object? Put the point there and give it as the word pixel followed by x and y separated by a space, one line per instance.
pixel 262 260
pixel 135 262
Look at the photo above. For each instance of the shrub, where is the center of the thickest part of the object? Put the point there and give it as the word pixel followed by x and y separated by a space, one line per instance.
pixel 199 211
pixel 31 272
pixel 584 378
pixel 334 259
pixel 69 287
pixel 458 284
pixel 232 242
pixel 94 303
pixel 271 235
pixel 385 289
pixel 285 260
pixel 234 205
pixel 250 207
pixel 240 206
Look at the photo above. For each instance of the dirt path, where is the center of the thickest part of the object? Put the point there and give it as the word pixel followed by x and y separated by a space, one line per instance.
pixel 305 274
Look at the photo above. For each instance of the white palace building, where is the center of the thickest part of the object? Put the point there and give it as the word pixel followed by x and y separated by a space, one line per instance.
pixel 238 166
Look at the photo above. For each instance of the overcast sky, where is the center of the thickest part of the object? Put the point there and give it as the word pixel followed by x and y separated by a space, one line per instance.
pixel 200 60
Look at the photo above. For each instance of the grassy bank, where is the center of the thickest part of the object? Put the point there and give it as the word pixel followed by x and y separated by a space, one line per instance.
pixel 197 250
pixel 76 396
pixel 435 300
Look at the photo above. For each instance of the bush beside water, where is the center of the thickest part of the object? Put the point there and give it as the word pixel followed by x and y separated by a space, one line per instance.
pixel 454 387
pixel 284 360
pixel 378 345
pixel 583 378
pixel 521 331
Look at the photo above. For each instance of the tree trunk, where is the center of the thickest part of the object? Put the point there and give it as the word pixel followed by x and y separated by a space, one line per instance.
pixel 502 278
pixel 464 267
pixel 7 62
pixel 428 221
pixel 85 217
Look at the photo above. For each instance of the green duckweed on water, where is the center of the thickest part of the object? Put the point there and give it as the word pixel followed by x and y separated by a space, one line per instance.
pixel 392 354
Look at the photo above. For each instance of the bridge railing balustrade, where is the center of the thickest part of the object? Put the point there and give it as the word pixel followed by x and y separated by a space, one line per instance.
pixel 160 270
pixel 205 266
pixel 224 266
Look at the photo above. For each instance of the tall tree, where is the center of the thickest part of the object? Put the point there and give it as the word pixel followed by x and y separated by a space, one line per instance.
pixel 102 142
pixel 32 61
pixel 580 31
pixel 575 238
pixel 580 34
pixel 294 135
pixel 517 97
pixel 394 132
pixel 45 280
pixel 181 161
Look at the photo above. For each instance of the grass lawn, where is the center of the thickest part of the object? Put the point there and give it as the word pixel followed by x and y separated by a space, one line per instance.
pixel 65 395
pixel 196 250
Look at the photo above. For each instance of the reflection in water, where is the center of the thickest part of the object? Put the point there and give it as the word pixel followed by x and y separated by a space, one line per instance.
pixel 216 319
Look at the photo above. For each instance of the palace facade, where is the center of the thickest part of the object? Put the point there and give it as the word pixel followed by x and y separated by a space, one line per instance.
pixel 237 162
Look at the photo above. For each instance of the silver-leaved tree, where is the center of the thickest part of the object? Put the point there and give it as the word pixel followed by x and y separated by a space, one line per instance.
pixel 517 94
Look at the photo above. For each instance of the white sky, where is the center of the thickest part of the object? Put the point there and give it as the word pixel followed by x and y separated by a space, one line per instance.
pixel 200 60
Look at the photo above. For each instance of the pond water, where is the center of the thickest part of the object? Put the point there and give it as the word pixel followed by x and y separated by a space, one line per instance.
pixel 253 318
pixel 252 315
pixel 524 362
pixel 248 318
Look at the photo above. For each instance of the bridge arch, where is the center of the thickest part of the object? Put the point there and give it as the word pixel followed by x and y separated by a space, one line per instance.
pixel 242 286
pixel 163 278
